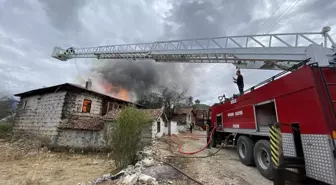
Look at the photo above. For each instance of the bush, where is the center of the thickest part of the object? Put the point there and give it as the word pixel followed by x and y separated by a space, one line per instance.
pixel 126 137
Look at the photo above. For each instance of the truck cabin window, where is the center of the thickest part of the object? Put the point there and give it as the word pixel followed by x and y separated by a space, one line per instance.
pixel 86 106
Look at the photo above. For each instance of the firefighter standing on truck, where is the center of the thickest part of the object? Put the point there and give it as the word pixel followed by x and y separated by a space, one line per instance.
pixel 239 81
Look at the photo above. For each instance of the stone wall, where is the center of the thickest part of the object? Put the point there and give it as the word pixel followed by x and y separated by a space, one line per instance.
pixel 74 103
pixel 81 139
pixel 147 135
pixel 40 114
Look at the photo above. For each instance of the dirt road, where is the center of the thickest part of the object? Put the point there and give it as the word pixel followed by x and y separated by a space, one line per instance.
pixel 221 169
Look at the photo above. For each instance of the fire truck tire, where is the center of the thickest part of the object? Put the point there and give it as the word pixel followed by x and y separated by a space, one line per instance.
pixel 245 150
pixel 262 158
pixel 213 142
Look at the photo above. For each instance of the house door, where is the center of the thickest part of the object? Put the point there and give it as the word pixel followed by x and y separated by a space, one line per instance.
pixel 158 126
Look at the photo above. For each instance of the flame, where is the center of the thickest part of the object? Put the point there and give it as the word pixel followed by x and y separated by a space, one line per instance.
pixel 116 91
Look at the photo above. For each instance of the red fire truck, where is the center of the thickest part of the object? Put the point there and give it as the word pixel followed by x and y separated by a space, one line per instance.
pixel 306 96
pixel 302 97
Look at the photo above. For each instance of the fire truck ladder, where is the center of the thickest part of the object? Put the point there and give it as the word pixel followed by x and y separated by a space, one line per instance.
pixel 268 51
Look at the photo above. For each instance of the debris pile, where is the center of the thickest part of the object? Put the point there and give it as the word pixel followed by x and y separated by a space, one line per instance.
pixel 133 174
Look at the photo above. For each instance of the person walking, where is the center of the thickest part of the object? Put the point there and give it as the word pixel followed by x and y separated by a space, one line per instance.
pixel 191 127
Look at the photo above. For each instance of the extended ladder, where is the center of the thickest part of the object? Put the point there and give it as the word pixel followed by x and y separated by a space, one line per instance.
pixel 268 51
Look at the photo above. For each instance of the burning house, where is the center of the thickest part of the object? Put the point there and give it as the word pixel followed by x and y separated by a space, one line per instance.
pixel 67 114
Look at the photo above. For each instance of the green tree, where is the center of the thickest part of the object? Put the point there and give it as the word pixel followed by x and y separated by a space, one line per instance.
pixel 197 101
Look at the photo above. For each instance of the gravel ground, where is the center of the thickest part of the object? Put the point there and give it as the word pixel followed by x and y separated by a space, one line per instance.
pixel 222 169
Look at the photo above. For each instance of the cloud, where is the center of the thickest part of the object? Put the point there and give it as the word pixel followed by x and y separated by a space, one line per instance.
pixel 30 29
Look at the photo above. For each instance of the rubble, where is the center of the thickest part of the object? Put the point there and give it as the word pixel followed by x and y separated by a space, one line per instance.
pixel 130 179
pixel 133 174
pixel 147 179
pixel 108 177
pixel 147 171
pixel 148 162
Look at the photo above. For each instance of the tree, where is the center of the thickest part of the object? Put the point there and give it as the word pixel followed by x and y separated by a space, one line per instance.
pixel 166 97
pixel 197 101
pixel 151 101
pixel 190 101
pixel 5 106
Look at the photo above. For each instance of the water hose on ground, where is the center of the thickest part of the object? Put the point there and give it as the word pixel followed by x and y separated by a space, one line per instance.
pixel 212 154
pixel 198 151
pixel 206 156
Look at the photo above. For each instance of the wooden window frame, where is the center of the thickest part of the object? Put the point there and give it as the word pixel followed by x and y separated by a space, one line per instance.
pixel 86 106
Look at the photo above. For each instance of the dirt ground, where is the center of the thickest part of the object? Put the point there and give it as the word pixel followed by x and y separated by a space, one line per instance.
pixel 222 169
pixel 23 164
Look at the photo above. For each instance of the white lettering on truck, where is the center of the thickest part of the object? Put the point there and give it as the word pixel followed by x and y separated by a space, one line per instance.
pixel 238 113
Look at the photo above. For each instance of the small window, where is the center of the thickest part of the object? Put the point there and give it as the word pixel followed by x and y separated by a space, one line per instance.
pixel 86 106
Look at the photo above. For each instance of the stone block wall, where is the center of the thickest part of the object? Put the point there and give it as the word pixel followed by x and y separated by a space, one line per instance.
pixel 40 114
pixel 74 103
pixel 81 139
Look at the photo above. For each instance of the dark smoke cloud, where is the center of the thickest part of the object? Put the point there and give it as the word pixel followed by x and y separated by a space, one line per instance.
pixel 186 19
pixel 143 76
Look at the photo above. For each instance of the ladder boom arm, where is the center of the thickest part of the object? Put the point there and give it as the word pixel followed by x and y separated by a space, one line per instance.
pixel 267 51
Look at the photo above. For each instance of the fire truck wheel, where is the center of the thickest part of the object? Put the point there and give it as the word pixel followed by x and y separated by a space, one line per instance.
pixel 245 150
pixel 213 142
pixel 262 158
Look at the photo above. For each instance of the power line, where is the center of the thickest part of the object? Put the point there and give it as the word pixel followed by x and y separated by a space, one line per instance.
pixel 270 17
pixel 285 13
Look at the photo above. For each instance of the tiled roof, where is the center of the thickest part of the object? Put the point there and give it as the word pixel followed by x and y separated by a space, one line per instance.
pixel 153 113
pixel 83 123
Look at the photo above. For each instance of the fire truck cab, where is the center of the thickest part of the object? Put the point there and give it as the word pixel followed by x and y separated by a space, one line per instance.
pixel 307 97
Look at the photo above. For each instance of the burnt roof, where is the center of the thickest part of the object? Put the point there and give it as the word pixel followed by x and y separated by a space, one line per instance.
pixel 68 87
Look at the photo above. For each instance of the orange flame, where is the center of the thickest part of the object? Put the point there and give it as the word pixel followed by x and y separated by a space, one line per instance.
pixel 116 91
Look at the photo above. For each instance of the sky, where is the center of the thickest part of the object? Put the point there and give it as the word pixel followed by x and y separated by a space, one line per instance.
pixel 29 29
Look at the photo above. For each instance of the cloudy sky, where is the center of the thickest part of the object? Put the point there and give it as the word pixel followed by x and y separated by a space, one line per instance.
pixel 29 29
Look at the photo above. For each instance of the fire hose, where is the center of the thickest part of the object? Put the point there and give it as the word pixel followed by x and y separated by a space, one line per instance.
pixel 206 156
pixel 190 153
pixel 198 151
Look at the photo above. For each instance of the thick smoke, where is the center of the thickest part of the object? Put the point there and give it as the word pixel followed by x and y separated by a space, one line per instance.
pixel 143 76
pixel 186 19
